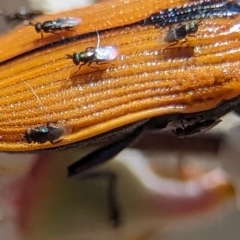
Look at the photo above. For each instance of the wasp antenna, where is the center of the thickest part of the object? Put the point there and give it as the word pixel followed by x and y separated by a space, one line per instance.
pixel 98 40
pixel 28 23
pixel 69 56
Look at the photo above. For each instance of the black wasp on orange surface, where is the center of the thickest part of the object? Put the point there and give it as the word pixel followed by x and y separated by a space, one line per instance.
pixel 45 133
pixel 181 31
pixel 94 54
pixel 52 26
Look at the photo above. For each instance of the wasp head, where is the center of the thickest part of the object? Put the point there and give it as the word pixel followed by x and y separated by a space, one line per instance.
pixel 28 136
pixel 74 57
pixel 38 27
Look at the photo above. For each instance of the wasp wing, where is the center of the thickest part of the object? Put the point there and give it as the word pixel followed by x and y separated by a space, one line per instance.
pixel 68 22
pixel 106 53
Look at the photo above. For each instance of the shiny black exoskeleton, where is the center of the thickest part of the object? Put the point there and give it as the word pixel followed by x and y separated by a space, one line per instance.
pixel 85 56
pixel 44 133
pixel 195 10
pixel 94 54
pixel 181 32
pixel 98 55
pixel 195 128
pixel 55 25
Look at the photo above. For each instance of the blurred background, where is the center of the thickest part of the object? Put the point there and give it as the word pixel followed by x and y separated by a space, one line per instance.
pixel 165 188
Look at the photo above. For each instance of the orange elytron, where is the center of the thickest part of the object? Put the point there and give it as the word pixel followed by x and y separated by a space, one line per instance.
pixel 38 85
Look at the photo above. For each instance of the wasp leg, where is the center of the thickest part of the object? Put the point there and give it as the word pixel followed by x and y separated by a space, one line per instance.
pixel 102 155
pixel 183 42
pixel 99 63
pixel 53 32
pixel 89 65
pixel 170 45
pixel 41 34
pixel 193 35
pixel 71 30
pixel 102 63
pixel 58 141
pixel 112 202
pixel 80 66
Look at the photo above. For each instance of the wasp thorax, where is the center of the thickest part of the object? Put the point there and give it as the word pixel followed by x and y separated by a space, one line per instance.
pixel 193 27
pixel 88 53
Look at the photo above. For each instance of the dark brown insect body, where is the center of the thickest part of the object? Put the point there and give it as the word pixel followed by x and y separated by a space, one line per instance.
pixel 55 25
pixel 97 54
pixel 42 134
pixel 181 32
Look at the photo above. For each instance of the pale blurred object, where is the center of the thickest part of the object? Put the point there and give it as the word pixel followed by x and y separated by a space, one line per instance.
pixel 51 206
pixel 11 168
pixel 229 156
pixel 55 6
pixel 228 121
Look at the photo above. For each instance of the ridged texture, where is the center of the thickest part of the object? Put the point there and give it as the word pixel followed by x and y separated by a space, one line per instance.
pixel 144 81
pixel 106 15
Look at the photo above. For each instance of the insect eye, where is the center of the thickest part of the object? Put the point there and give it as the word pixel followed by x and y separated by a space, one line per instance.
pixel 38 27
pixel 76 59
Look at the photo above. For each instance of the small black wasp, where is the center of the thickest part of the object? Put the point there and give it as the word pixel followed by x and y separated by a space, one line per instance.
pixel 55 25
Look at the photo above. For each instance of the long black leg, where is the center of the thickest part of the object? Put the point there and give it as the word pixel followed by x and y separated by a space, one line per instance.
pixel 112 202
pixel 70 30
pixel 89 65
pixel 102 155
pixel 80 66
pixel 183 42
pixel 99 63
pixel 103 63
pixel 53 32
pixel 172 44
pixel 169 47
